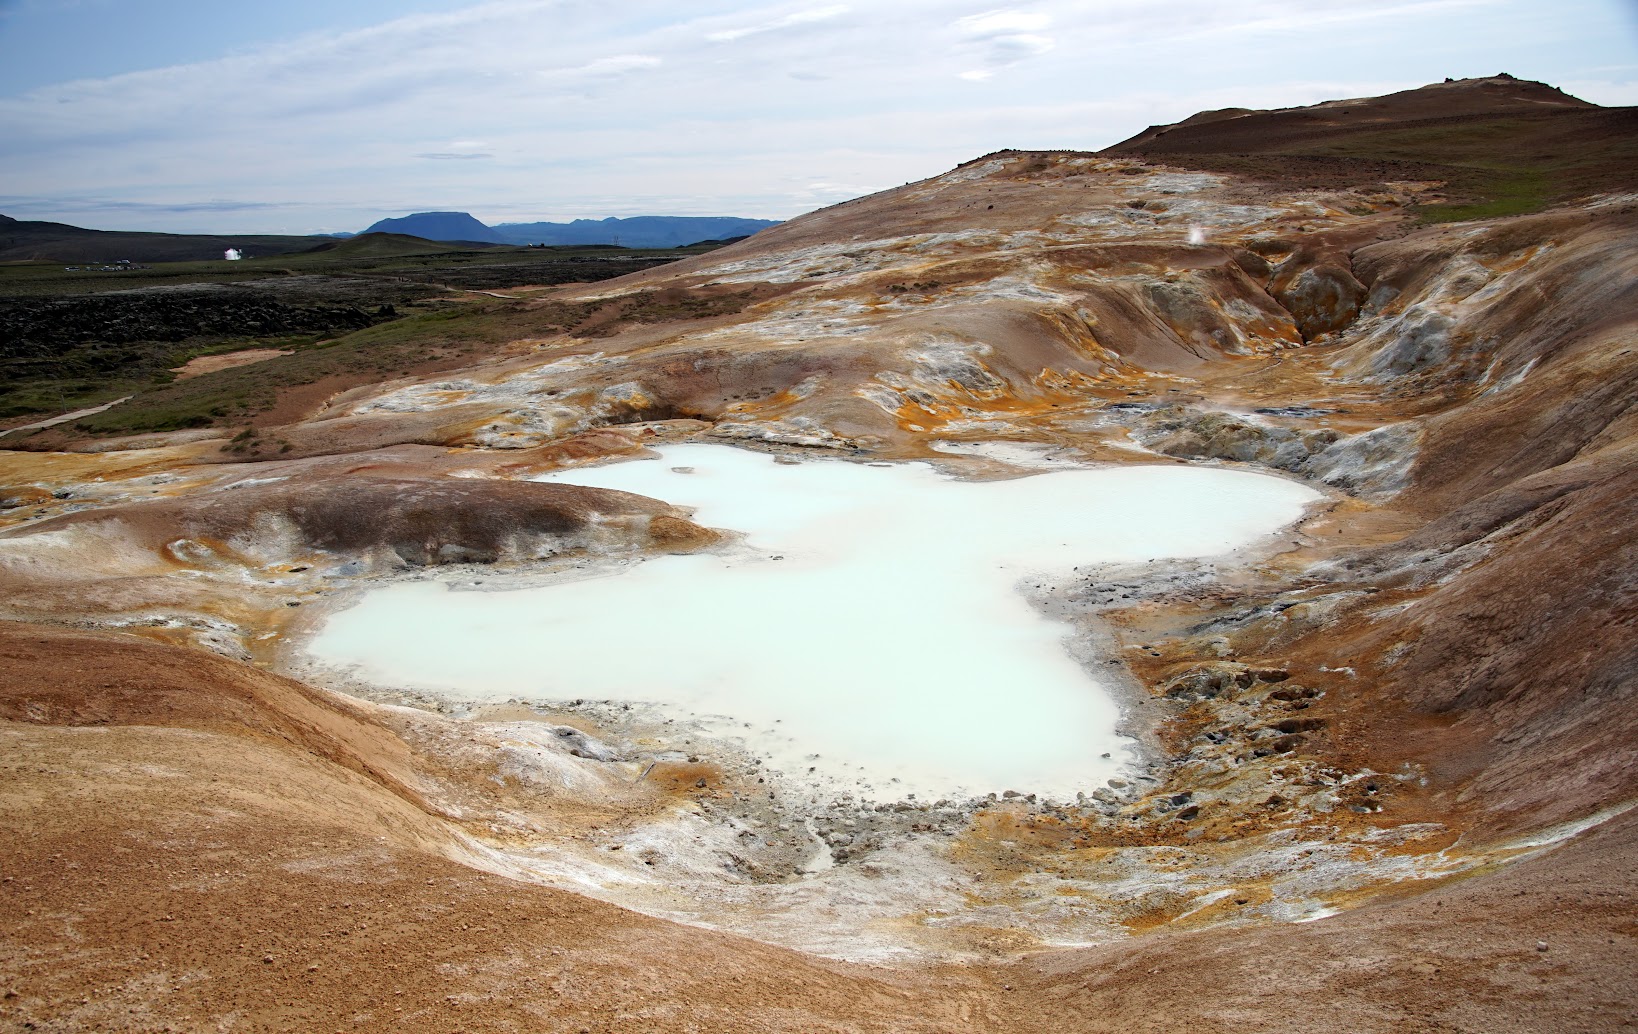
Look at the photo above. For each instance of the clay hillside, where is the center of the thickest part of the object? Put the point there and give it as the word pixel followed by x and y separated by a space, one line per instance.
pixel 1388 755
pixel 1507 142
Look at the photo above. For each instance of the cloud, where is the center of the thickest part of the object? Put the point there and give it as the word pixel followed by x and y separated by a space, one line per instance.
pixel 1288 17
pixel 1001 23
pixel 1003 38
pixel 606 67
pixel 29 205
pixel 808 17
pixel 1018 46
pixel 826 192
pixel 637 111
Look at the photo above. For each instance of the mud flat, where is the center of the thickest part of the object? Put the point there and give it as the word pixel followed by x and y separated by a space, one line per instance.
pixel 867 632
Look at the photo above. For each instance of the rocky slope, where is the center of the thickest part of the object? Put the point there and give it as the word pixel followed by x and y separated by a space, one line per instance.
pixel 1408 721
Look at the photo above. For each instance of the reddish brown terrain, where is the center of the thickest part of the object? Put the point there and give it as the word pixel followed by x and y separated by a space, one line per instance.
pixel 1391 754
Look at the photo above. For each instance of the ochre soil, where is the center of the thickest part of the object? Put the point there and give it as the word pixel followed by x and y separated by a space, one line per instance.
pixel 194 845
pixel 210 363
pixel 195 842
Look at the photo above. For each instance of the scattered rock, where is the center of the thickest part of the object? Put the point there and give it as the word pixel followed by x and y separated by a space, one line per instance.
pixel 1321 298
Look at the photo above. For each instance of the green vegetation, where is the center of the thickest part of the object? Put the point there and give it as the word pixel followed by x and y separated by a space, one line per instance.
pixel 1512 192
pixel 1497 166
pixel 46 397
pixel 235 395
pixel 605 318
pixel 89 376
pixel 395 260
pixel 75 339
pixel 1491 164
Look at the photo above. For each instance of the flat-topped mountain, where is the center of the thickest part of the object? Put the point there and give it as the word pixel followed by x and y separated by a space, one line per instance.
pixel 642 231
pixel 439 226
pixel 639 231
pixel 1384 761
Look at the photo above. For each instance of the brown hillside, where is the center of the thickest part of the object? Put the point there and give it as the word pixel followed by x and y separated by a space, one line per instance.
pixel 1501 140
pixel 1390 753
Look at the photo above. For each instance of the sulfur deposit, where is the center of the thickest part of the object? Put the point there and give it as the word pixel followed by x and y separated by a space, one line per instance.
pixel 1374 755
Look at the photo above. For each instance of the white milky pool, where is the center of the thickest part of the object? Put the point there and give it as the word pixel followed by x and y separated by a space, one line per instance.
pixel 872 631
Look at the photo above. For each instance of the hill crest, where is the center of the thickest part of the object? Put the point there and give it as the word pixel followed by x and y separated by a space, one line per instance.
pixel 438 226
pixel 1259 130
pixel 1500 145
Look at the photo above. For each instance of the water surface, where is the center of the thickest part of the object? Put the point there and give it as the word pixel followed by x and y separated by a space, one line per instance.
pixel 872 631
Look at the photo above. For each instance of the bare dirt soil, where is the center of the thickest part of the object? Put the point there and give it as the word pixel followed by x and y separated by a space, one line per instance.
pixel 210 363
pixel 1392 754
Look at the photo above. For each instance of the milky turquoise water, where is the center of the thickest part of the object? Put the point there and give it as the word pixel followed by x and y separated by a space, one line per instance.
pixel 871 631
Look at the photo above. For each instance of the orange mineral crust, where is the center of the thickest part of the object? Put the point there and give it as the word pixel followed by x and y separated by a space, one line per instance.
pixel 1370 769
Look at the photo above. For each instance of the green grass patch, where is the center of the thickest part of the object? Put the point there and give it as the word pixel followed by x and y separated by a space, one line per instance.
pixel 88 377
pixel 1519 192
pixel 226 397
pixel 1506 164
pixel 44 398
pixel 380 261
pixel 66 344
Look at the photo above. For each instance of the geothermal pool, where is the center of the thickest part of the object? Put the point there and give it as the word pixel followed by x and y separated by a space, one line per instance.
pixel 869 636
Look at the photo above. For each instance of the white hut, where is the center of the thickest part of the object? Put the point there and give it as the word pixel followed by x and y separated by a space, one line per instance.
pixel 233 254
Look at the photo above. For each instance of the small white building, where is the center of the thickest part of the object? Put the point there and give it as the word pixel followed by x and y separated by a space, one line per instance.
pixel 233 254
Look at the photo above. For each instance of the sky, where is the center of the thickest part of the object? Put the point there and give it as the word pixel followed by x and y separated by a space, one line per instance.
pixel 301 116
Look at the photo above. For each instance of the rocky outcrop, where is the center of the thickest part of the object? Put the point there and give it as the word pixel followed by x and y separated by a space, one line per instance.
pixel 1428 677
pixel 1202 434
pixel 47 327
pixel 1374 463
pixel 364 519
pixel 1322 298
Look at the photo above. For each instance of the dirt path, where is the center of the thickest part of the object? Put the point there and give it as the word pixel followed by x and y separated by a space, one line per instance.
pixel 64 418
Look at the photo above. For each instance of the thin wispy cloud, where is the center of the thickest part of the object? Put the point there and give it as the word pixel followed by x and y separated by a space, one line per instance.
pixel 524 109
pixel 997 40
pixel 30 205
pixel 1004 38
pixel 606 67
pixel 808 17
pixel 992 24
pixel 1280 19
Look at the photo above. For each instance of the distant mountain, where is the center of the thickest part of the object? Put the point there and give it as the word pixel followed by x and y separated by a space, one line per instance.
pixel 439 226
pixel 643 231
pixel 636 231
pixel 34 241
pixel 381 245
